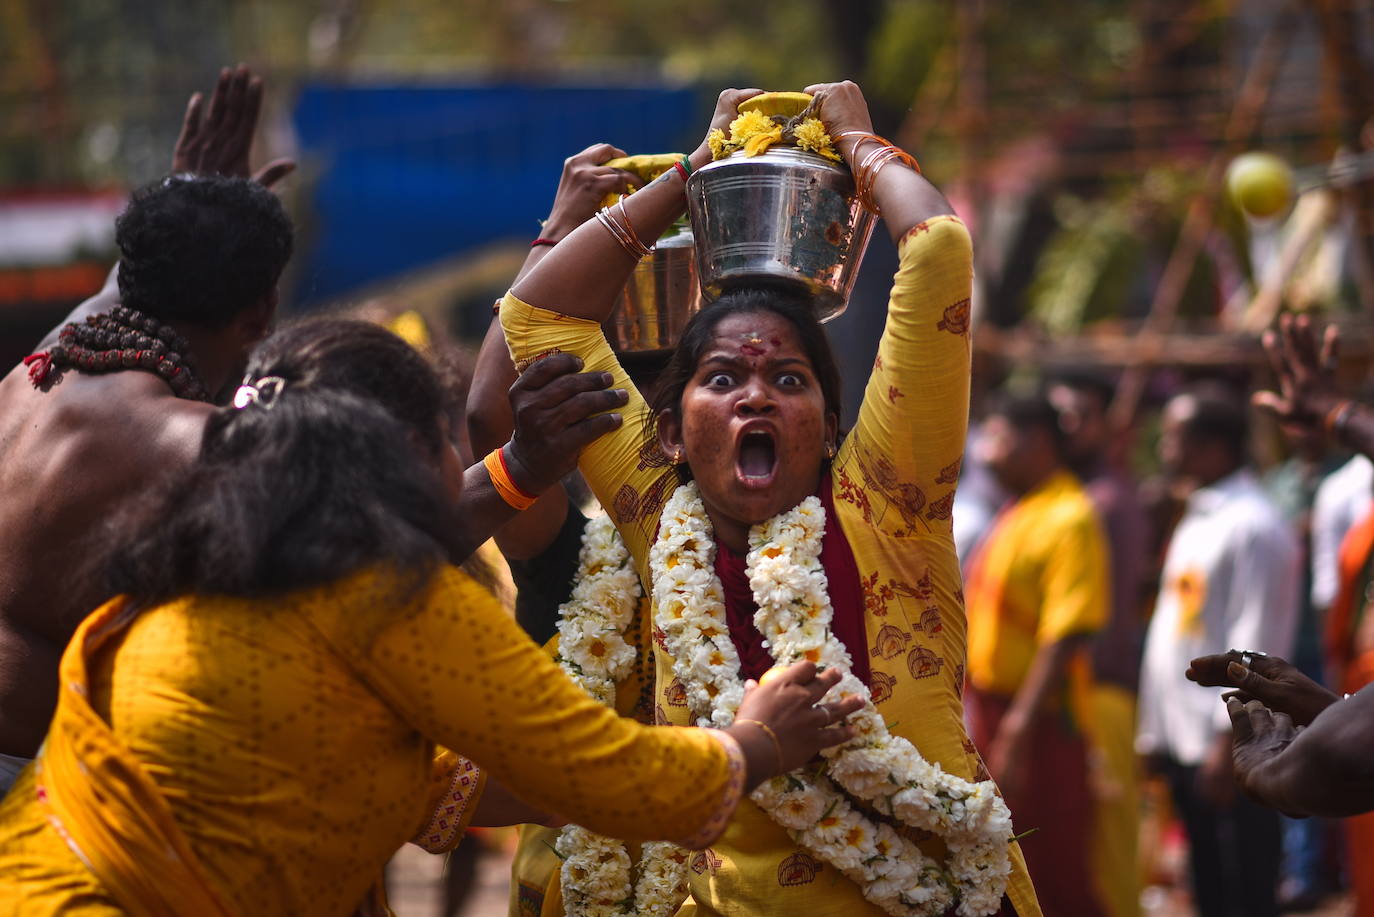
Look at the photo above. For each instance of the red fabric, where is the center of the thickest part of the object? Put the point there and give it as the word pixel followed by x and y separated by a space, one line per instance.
pixel 845 596
pixel 1056 802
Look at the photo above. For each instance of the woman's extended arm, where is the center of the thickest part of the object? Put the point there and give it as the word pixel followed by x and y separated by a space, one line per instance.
pixel 583 275
pixel 461 671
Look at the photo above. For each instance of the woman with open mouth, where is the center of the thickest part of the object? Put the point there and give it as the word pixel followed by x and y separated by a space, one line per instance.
pixel 763 537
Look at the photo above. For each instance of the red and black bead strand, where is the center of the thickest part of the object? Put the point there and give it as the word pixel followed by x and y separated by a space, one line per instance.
pixel 120 339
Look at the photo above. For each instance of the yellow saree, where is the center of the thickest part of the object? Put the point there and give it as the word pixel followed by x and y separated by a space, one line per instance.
pixel 289 744
pixel 893 481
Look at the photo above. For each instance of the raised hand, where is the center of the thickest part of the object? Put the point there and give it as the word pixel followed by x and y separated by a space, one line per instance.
pixel 727 110
pixel 218 141
pixel 1273 681
pixel 789 706
pixel 583 185
pixel 1305 370
pixel 841 107
pixel 558 411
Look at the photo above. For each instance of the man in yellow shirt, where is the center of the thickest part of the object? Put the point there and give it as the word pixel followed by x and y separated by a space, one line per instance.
pixel 1037 590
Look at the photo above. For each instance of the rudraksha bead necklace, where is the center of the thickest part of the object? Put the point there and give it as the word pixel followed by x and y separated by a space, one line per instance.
pixel 120 339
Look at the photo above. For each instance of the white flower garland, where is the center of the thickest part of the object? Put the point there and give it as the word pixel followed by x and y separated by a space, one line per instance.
pixel 592 650
pixel 886 771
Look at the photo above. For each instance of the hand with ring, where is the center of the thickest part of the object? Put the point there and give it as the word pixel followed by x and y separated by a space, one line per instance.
pixel 784 721
pixel 1275 682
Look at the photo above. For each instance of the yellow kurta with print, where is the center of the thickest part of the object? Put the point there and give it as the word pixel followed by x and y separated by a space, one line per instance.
pixel 1039 577
pixel 293 741
pixel 894 480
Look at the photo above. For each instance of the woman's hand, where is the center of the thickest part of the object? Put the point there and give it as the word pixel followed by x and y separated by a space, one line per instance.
pixel 841 107
pixel 789 705
pixel 727 110
pixel 1271 680
pixel 584 184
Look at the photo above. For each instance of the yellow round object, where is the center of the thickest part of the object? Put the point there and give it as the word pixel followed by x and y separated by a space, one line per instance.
pixel 1261 184
pixel 772 674
pixel 787 104
pixel 647 166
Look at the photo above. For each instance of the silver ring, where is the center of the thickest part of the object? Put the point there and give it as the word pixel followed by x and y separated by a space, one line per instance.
pixel 826 710
pixel 1248 656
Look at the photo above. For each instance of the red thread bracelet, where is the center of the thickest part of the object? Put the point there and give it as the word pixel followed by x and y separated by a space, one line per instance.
pixel 543 241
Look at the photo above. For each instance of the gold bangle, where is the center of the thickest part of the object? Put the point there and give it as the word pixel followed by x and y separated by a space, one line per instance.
pixel 777 746
pixel 646 250
pixel 509 491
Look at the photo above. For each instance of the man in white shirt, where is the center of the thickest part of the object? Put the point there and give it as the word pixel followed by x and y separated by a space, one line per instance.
pixel 1230 580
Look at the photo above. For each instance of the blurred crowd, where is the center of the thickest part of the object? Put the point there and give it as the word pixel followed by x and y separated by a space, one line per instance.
pixel 1091 588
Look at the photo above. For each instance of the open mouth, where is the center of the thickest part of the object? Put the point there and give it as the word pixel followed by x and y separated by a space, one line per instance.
pixel 758 459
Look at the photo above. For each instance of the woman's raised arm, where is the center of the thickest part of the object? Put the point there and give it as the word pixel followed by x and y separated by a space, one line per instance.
pixel 583 275
pixel 903 196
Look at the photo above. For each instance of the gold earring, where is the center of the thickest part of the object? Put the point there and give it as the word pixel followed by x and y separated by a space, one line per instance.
pixel 677 457
pixel 830 450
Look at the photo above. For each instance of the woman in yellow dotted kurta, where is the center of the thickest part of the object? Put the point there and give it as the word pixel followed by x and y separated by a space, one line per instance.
pixel 267 753
pixel 893 483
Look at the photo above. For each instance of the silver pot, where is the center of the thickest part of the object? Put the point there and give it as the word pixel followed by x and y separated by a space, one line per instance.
pixel 660 298
pixel 785 217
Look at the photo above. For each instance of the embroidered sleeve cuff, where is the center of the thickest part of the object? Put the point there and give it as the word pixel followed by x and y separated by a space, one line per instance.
pixel 451 816
pixel 736 771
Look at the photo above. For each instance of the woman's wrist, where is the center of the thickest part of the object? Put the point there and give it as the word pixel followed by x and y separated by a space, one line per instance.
pixel 759 754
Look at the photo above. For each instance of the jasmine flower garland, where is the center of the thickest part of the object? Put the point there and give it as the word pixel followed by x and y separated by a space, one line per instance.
pixel 592 650
pixel 887 772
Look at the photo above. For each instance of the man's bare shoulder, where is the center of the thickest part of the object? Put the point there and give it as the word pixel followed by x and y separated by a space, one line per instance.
pixel 109 425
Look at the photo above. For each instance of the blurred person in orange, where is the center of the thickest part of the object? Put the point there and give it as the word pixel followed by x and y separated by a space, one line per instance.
pixel 1307 396
pixel 1038 590
pixel 1082 400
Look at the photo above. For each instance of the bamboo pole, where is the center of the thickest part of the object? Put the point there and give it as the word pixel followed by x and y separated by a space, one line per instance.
pixel 1198 221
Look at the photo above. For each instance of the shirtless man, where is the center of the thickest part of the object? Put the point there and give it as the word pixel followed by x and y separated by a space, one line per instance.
pixel 199 260
pixel 201 254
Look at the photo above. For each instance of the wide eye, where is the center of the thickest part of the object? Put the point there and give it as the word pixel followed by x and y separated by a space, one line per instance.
pixel 791 380
pixel 719 379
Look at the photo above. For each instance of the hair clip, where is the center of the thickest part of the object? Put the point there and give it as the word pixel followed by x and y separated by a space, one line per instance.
pixel 264 392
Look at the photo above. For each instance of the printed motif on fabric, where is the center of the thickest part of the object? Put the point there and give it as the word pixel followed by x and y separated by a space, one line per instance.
pixel 440 834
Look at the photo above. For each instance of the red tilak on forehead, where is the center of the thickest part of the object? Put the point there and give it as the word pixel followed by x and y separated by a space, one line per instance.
pixel 753 344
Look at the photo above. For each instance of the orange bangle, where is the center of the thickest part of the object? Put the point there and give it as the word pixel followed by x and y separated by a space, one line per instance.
pixel 495 463
pixel 1335 419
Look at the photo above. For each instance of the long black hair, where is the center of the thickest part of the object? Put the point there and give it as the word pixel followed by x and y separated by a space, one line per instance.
pixel 337 471
pixel 700 332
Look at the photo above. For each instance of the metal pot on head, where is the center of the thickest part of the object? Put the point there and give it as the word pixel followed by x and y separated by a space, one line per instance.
pixel 786 217
pixel 660 298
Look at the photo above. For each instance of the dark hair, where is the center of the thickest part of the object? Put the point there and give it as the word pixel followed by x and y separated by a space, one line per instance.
pixel 1220 415
pixel 1028 413
pixel 338 473
pixel 700 332
pixel 201 249
pixel 1082 380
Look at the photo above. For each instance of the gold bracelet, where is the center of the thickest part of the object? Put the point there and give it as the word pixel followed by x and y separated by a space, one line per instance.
pixel 509 491
pixel 777 746
pixel 647 250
